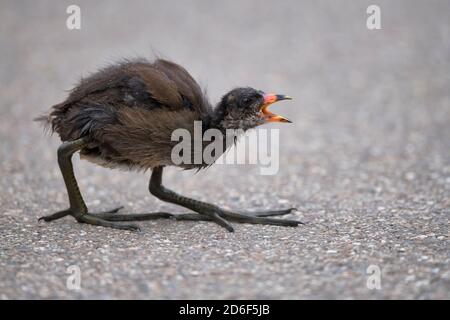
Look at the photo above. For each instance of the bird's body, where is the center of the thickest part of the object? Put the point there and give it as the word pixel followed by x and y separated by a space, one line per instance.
pixel 128 111
pixel 124 116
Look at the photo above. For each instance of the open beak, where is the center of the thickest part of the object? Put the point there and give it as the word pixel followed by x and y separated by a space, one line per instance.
pixel 268 100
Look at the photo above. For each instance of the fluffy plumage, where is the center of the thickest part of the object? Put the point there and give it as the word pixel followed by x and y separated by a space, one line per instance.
pixel 128 112
pixel 125 115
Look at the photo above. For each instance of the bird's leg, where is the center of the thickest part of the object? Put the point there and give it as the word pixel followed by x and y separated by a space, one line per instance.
pixel 78 208
pixel 209 210
pixel 213 212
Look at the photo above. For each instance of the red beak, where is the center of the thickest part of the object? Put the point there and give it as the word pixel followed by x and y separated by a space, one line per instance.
pixel 268 100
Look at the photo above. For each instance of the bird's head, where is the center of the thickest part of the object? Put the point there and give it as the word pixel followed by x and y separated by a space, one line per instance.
pixel 245 108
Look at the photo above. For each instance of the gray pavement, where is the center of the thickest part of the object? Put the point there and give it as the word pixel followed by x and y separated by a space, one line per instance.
pixel 366 161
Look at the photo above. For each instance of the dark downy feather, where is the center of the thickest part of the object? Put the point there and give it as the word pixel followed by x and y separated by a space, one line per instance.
pixel 128 112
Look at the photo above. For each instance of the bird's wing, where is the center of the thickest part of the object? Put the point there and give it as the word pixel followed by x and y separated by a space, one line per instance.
pixel 139 82
pixel 130 84
pixel 189 90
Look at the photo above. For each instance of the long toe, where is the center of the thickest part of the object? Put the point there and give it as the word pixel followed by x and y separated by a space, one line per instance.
pixel 151 216
pixel 133 216
pixel 114 210
pixel 56 215
pixel 91 219
pixel 270 213
pixel 191 217
pixel 238 217
pixel 274 222
pixel 128 226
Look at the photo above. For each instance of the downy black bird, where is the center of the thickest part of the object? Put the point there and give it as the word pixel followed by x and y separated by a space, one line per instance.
pixel 124 115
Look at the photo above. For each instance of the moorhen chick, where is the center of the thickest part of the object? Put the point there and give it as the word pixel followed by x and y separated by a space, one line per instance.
pixel 124 115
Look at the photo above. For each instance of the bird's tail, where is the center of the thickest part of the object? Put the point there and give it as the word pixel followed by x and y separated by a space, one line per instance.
pixel 46 120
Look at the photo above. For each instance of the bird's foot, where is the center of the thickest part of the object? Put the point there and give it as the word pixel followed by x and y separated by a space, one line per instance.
pixel 220 216
pixel 91 218
pixel 111 219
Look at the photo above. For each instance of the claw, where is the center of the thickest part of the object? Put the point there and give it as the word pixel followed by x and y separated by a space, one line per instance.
pixel 56 215
pixel 116 209
pixel 135 228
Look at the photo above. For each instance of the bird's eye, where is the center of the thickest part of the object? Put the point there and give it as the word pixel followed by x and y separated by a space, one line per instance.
pixel 247 100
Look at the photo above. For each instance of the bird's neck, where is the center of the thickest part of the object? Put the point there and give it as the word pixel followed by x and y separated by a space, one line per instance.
pixel 219 119
pixel 216 119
